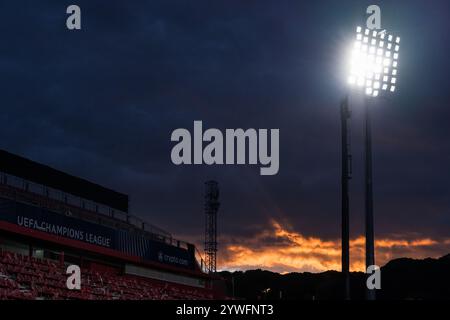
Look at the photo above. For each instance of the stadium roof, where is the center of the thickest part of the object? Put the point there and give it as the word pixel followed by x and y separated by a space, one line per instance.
pixel 45 175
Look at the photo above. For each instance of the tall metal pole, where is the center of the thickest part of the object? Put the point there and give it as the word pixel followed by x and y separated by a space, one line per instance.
pixel 345 207
pixel 370 247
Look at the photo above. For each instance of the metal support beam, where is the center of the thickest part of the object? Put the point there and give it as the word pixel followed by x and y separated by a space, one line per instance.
pixel 370 246
pixel 345 206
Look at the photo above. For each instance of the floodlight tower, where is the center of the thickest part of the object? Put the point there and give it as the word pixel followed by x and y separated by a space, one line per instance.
pixel 211 207
pixel 373 67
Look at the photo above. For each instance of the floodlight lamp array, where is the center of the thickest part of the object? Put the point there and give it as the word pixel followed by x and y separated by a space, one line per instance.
pixel 374 61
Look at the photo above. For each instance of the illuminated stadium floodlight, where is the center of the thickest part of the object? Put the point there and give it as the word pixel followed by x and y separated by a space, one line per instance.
pixel 373 69
pixel 374 61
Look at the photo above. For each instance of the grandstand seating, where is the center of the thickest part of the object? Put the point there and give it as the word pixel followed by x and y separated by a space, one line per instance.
pixel 29 278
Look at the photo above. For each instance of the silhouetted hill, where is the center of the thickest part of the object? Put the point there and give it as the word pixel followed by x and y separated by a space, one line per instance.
pixel 402 278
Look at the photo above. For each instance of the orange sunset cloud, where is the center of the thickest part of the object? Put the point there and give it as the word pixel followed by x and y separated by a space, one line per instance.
pixel 283 250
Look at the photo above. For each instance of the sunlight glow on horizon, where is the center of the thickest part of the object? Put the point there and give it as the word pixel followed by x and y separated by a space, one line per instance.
pixel 293 252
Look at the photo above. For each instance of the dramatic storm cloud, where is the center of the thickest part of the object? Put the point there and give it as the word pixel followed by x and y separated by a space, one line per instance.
pixel 101 103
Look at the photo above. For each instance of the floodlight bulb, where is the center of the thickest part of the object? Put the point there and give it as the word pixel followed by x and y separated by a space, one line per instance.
pixel 395 55
pixel 394 72
pixel 384 86
pixel 366 32
pixel 389 46
pixel 387 62
pixel 394 64
pixel 397 40
pixel 381 44
pixel 388 54
pixel 369 91
pixel 374 42
pixel 390 37
pixel 359 36
pixel 376 85
pixel 366 40
pixel 380 52
pixel 385 78
pixel 358 29
pixel 375 93
pixel 393 80
pixel 386 70
pixel 397 47
pixel 392 88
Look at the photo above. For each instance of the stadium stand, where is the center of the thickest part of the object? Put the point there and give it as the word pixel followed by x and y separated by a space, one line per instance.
pixel 49 220
pixel 29 278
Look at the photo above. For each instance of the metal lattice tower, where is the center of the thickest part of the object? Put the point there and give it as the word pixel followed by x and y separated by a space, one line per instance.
pixel 211 207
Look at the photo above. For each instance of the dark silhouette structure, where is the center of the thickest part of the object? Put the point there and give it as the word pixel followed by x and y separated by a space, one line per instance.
pixel 370 241
pixel 39 173
pixel 211 207
pixel 345 206
pixel 402 279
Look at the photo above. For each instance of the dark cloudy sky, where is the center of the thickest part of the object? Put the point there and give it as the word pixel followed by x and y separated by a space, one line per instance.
pixel 102 102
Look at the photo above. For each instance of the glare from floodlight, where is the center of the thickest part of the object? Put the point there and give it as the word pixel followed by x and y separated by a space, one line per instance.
pixel 360 81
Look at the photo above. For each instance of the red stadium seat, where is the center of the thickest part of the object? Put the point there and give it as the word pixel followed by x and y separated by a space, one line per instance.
pixel 22 277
